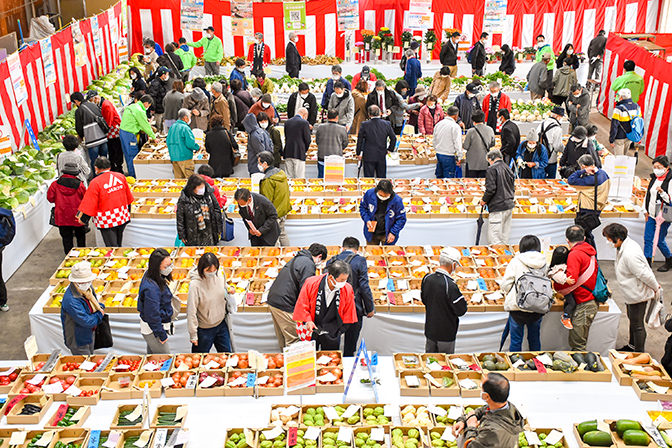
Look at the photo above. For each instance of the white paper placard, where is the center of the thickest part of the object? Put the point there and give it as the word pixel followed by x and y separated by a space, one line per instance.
pixel 433 409
pixel 45 440
pixel 345 434
pixel 553 437
pixel 273 432
pixel 350 411
pixel 312 433
pixel 378 434
pixel 207 382
pixel 532 438
pixel 468 384
pixel 330 413
pixel 454 413
pixel 55 388
pixel 412 381
pixel 167 382
pixel 77 416
pixel 87 365
pixel 448 434
pixel 37 379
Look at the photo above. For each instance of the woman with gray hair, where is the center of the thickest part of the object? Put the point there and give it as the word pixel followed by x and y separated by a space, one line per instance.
pixel 259 54
pixel 172 103
pixel 197 102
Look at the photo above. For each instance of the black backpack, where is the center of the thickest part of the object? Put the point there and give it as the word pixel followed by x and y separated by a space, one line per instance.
pixel 7 227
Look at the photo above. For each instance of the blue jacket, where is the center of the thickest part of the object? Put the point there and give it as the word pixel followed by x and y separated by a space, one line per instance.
pixel 412 74
pixel 77 308
pixel 581 179
pixel 540 158
pixel 155 306
pixel 259 140
pixel 158 49
pixel 236 74
pixel 395 218
pixel 329 89
pixel 359 279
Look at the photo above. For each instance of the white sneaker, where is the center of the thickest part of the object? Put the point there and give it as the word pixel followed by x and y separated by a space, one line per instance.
pixel 4 308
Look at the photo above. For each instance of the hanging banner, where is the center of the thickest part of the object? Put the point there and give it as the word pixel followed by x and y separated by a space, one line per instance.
pixel 419 16
pixel 295 15
pixel 494 20
pixel 123 50
pixel 124 18
pixel 191 15
pixel 16 75
pixel 242 23
pixel 78 45
pixel 348 14
pixel 5 142
pixel 114 26
pixel 48 61
pixel 95 31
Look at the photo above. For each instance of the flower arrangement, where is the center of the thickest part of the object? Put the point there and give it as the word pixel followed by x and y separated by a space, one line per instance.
pixel 430 40
pixel 385 38
pixel 367 38
pixel 406 38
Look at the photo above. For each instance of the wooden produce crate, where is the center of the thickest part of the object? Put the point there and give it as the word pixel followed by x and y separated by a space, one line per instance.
pixel 180 412
pixel 14 417
pixel 81 413
pixel 115 424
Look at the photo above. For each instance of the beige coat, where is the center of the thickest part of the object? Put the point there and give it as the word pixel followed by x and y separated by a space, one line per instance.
pixel 360 110
pixel 220 106
pixel 199 101
pixel 208 304
pixel 440 86
pixel 587 196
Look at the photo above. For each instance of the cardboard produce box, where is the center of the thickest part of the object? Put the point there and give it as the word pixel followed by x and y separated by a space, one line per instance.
pixel 625 372
pixel 103 437
pixel 285 414
pixel 131 410
pixel 183 384
pixel 435 361
pixel 463 378
pixel 90 392
pixel 270 383
pixel 8 377
pixel 412 383
pixel 442 384
pixel 157 363
pixel 542 433
pixel 582 444
pixel 29 384
pixel 69 364
pixel 518 360
pixel 119 386
pixel 5 436
pixel 14 416
pixel 499 360
pixel 150 379
pixel 237 384
pixel 56 386
pixel 77 436
pixel 653 390
pixel 618 441
pixel 379 434
pixel 97 360
pixel 330 380
pixel 208 383
pixel 180 416
pixel 140 435
pixel 406 361
pixel 234 434
pixel 47 436
pixel 78 415
pixel 374 415
pixel 464 362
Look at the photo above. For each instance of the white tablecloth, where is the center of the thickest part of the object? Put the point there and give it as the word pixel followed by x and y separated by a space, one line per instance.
pixel 31 227
pixel 386 333
pixel 544 404
pixel 142 232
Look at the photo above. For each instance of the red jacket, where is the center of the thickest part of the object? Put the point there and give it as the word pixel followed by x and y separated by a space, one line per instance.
pixel 107 200
pixel 304 310
pixel 358 76
pixel 221 199
pixel 66 194
pixel 426 122
pixel 504 103
pixel 112 118
pixel 578 262
pixel 267 54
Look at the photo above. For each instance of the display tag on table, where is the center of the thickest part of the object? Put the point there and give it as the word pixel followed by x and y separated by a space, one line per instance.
pixel 330 413
pixel 46 438
pixel 388 410
pixel 17 438
pixel 292 436
pixel 312 433
pixel 134 414
pixel 345 434
pixel 249 299
pixel 249 437
pixel 106 361
pixel 429 250
pixel 436 410
pixel 553 437
pixel 166 365
pixel 60 413
pixel 37 379
pixel 327 378
pixel 77 416
pixel 237 382
pixel 412 381
pixel 160 438
pixel 73 391
pixel 192 382
pixel 87 366
pixel 212 365
pixel 323 360
pixel 51 362
pixel 468 384
pixel 454 412
pixel 541 368
pixel 602 426
pixel 272 433
pixel 207 382
pixel 390 285
pixel 430 379
pixel 402 284
pixel 180 412
pixel 352 409
pixel 391 299
pixel 377 434
pixel 518 363
pixel 632 368
pixel 532 438
pixel 94 439
pixel 262 380
pixel 143 440
pixel 251 379
pixel 434 366
pixel 167 382
pixel 545 359
pixel 122 367
pixel 290 411
pixel 617 354
pixel 55 388
pixel 112 439
pixel 448 434
pixel 181 437
pixel 656 388
pixel 150 367
pixel 481 284
pixel 182 367
pixel 459 362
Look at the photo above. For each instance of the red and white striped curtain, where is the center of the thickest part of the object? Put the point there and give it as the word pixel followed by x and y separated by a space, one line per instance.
pixel 656 101
pixel 46 103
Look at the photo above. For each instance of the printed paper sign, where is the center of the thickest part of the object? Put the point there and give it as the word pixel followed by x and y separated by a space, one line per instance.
pixel 191 15
pixel 299 365
pixel 48 61
pixel 295 15
pixel 16 75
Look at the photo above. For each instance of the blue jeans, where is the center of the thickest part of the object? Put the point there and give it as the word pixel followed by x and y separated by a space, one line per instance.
pixel 95 151
pixel 445 166
pixel 129 144
pixel 551 170
pixel 320 170
pixel 649 231
pixel 219 336
pixel 518 331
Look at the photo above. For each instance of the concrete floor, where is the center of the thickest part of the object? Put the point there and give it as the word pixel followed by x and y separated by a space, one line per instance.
pixel 30 280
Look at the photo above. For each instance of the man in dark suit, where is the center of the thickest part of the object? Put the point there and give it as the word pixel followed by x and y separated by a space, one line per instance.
pixel 448 55
pixel 297 142
pixel 359 280
pixel 510 135
pixel 292 56
pixel 382 97
pixel 259 216
pixel 303 98
pixel 372 143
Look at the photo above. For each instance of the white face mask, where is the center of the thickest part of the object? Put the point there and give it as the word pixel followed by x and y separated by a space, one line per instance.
pixel 261 168
pixel 166 272
pixel 570 51
pixel 339 95
pixel 200 191
pixel 335 77
pixel 133 76
pixel 210 36
pixel 211 274
pixel 263 124
pixel 531 145
pixel 470 95
pixel 659 171
pixel 339 285
pixel 611 244
pixel 265 105
pixel 381 197
pixel 259 41
pixel 165 78
pixel 303 95
pixel 83 286
pixel 148 50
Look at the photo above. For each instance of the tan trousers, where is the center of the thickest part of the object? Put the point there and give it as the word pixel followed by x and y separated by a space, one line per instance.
pixel 295 168
pixel 283 239
pixel 183 169
pixel 621 146
pixel 285 327
pixel 453 71
pixel 499 227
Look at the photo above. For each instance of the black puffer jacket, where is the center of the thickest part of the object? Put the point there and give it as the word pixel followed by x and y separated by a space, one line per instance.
pixel 188 208
pixel 158 89
pixel 286 287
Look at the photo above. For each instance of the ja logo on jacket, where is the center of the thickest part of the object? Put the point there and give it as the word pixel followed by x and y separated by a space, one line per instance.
pixel 113 184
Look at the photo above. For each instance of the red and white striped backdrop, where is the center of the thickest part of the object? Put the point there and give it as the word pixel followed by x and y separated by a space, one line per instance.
pixel 575 21
pixel 656 101
pixel 46 103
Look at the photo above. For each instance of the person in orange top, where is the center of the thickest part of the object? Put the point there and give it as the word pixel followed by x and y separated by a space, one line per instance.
pixel 259 54
pixel 108 201
pixel 326 306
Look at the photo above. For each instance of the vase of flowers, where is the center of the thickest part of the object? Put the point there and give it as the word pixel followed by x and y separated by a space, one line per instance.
pixel 386 40
pixel 406 38
pixel 367 41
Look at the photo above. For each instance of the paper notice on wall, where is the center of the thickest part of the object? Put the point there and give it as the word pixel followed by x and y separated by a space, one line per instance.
pixel 191 15
pixel 494 20
pixel 48 61
pixel 124 18
pixel 348 14
pixel 5 146
pixel 621 172
pixel 242 23
pixel 114 25
pixel 294 15
pixel 123 50
pixel 419 15
pixel 97 41
pixel 16 75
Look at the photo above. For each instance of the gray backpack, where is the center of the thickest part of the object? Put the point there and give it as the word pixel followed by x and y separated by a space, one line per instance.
pixel 534 292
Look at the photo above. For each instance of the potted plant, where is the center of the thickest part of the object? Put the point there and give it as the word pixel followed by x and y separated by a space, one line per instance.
pixel 367 40
pixel 386 40
pixel 406 38
pixel 430 43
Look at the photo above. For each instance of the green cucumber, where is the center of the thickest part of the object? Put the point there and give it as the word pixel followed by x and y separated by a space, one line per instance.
pixel 597 438
pixel 636 437
pixel 623 425
pixel 585 427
